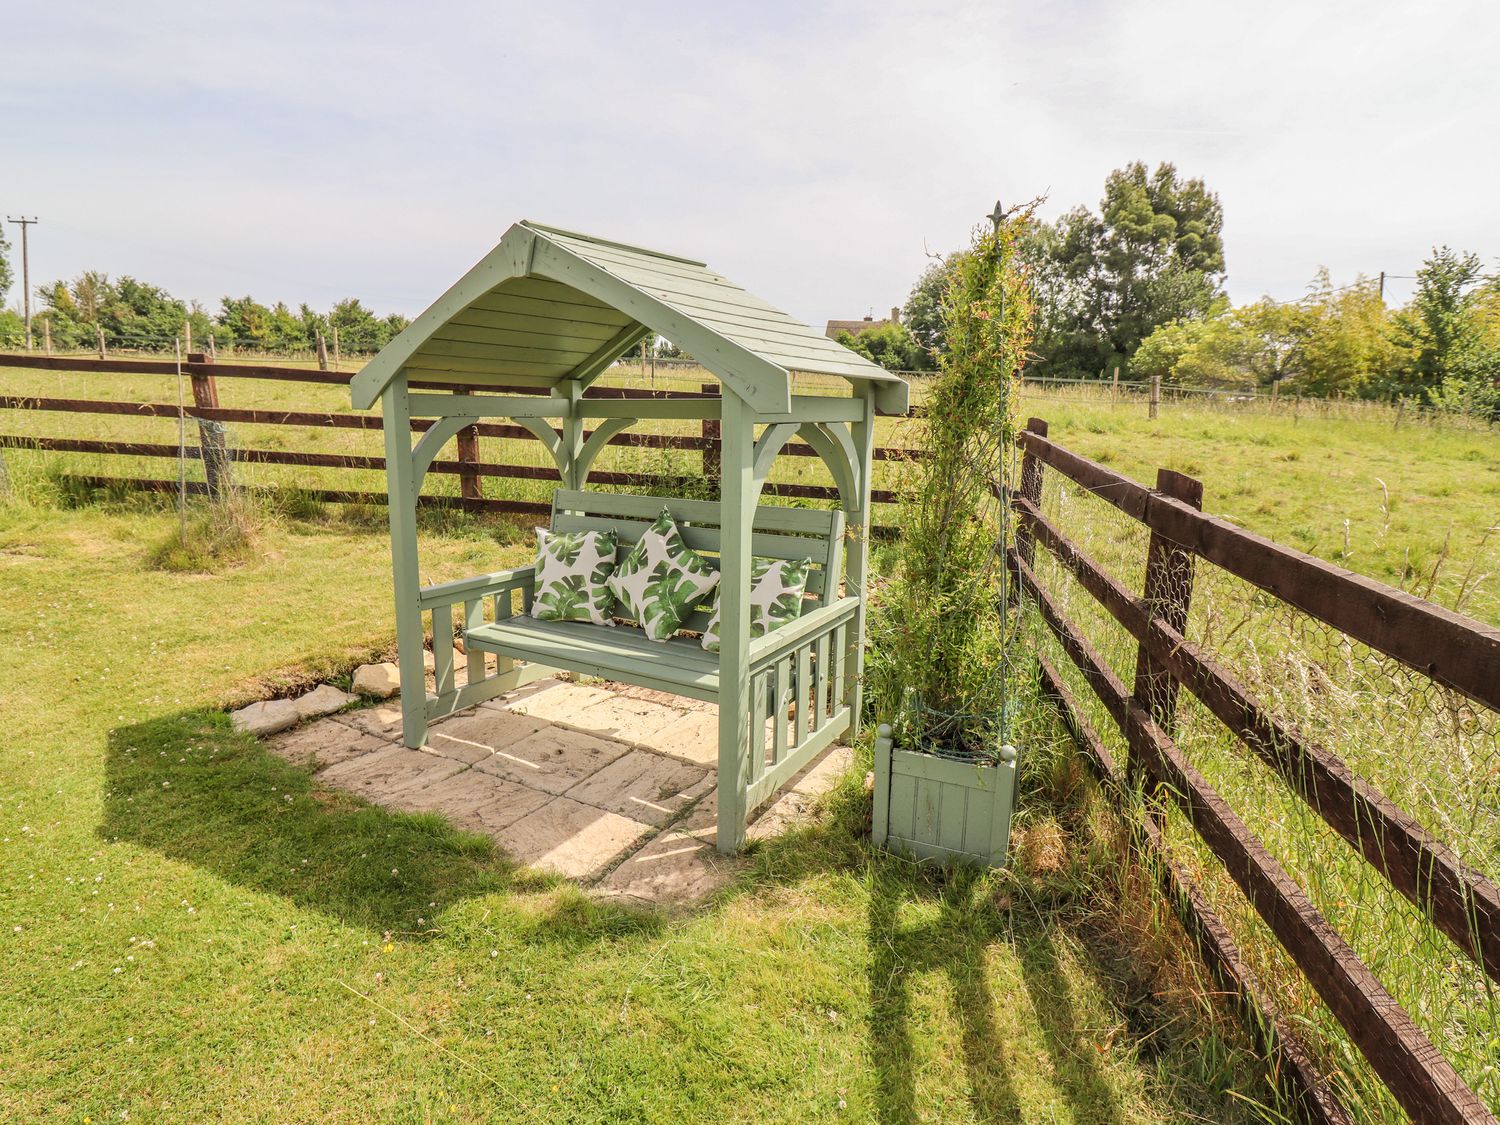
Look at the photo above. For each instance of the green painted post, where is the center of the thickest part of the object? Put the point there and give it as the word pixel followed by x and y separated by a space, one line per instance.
pixel 737 511
pixel 857 564
pixel 400 478
pixel 570 451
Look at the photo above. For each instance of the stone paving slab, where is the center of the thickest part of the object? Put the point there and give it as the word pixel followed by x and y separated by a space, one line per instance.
pixel 794 804
pixel 558 702
pixel 570 838
pixel 645 787
pixel 383 719
pixel 473 736
pixel 625 719
pixel 323 743
pixel 380 776
pixel 473 800
pixel 554 759
pixel 679 866
pixel 692 737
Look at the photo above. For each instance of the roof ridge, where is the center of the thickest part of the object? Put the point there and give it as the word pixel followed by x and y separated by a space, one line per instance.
pixel 543 228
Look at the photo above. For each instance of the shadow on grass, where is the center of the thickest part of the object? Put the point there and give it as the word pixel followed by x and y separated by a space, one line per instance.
pixel 957 943
pixel 190 787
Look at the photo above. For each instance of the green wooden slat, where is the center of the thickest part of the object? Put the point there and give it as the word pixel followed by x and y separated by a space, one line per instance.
pixel 471 694
pixel 500 330
pixel 703 539
pixel 473 619
pixel 820 681
pixel 555 352
pixel 424 364
pixel 777 776
pixel 778 711
pixel 442 649
pixel 506 305
pixel 804 693
pixel 814 522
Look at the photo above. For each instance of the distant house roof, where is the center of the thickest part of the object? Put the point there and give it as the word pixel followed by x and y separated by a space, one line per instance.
pixel 855 327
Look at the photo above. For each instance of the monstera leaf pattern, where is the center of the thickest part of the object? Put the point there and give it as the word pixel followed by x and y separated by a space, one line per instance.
pixel 660 580
pixel 776 589
pixel 572 572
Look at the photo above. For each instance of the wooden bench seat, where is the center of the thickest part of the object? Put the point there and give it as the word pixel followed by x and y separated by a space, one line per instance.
pixel 624 652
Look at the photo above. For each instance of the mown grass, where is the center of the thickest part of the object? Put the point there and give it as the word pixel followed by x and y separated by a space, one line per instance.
pixel 194 930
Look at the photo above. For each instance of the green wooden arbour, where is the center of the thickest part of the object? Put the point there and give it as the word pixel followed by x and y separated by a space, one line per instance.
pixel 522 335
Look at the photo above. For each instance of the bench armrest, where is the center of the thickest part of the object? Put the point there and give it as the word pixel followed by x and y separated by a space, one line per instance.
pixel 807 628
pixel 481 586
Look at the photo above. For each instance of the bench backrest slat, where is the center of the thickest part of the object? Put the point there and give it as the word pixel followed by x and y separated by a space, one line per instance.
pixel 777 533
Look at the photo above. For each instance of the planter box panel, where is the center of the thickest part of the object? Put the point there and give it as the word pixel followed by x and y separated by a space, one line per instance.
pixel 938 808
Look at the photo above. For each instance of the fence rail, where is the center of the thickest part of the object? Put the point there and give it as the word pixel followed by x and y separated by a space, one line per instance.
pixel 1460 654
pixel 471 471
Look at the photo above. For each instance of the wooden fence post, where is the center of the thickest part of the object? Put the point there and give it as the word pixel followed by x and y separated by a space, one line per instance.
pixel 1031 489
pixel 470 484
pixel 1168 595
pixel 47 334
pixel 335 347
pixel 322 346
pixel 1155 400
pixel 99 332
pixel 212 443
pixel 712 432
pixel 1114 389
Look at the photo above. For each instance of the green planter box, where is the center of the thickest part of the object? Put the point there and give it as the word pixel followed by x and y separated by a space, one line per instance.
pixel 941 808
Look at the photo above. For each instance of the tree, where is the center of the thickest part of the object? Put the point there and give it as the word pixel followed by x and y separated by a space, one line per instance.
pixel 923 312
pixel 6 275
pixel 1152 255
pixel 1440 332
pixel 891 345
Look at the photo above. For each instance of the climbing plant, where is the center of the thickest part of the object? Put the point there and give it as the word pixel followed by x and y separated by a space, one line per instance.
pixel 940 635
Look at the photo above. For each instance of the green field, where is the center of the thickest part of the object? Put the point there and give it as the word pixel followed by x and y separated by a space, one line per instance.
pixel 270 966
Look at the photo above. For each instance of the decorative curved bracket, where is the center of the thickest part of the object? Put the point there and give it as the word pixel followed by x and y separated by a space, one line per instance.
pixel 549 438
pixel 767 448
pixel 596 441
pixel 835 446
pixel 439 434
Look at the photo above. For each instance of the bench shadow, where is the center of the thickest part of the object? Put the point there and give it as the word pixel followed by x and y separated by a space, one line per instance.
pixel 188 786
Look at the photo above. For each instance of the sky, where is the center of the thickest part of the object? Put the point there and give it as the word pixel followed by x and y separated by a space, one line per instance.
pixel 816 153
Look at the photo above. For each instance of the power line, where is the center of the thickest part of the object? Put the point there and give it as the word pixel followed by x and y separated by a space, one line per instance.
pixel 23 222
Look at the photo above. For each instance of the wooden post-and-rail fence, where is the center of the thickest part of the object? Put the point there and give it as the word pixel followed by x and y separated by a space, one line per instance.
pixel 1452 651
pixel 218 455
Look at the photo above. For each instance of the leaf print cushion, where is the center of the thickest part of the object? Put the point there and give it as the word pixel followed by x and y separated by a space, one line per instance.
pixel 661 578
pixel 572 572
pixel 776 589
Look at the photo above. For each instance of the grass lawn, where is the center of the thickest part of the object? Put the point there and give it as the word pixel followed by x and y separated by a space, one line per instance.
pixel 193 930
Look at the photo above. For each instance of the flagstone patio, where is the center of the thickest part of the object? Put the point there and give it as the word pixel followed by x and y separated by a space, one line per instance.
pixel 607 784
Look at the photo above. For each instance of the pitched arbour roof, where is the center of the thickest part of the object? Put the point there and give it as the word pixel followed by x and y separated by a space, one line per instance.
pixel 548 306
pixel 540 318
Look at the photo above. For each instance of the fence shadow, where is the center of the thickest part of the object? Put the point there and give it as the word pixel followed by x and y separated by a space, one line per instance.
pixel 957 943
pixel 189 787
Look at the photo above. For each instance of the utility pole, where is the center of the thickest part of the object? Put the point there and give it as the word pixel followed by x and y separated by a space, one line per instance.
pixel 1382 287
pixel 23 222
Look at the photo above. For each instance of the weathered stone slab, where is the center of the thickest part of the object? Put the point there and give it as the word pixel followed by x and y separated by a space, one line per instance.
pixel 692 737
pixel 384 720
pixel 473 800
pixel 570 838
pixel 380 681
pixel 558 702
pixel 679 867
pixel 266 717
pixel 651 695
pixel 473 736
pixel 554 759
pixel 324 699
pixel 380 776
pixel 324 743
pixel 637 721
pixel 796 802
pixel 644 786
